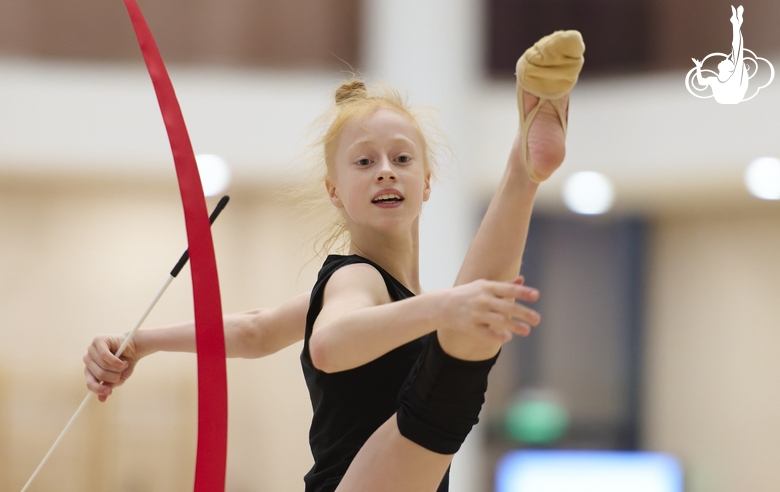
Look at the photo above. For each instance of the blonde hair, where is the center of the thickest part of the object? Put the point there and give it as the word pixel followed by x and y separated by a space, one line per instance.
pixel 353 101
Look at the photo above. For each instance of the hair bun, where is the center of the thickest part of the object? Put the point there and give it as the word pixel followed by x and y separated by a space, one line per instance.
pixel 354 89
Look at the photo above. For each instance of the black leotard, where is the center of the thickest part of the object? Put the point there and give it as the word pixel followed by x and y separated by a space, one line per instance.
pixel 350 405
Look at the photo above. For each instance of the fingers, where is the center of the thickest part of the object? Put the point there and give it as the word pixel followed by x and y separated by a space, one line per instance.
pixel 494 332
pixel 101 345
pixel 101 370
pixel 517 328
pixel 102 364
pixel 509 309
pixel 99 373
pixel 497 310
pixel 507 327
pixel 493 309
pixel 513 290
pixel 93 385
pixel 524 314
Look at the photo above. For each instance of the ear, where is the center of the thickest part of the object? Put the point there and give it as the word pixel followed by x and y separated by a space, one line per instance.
pixel 333 195
pixel 427 189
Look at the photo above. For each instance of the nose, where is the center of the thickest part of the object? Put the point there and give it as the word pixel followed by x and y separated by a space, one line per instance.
pixel 385 171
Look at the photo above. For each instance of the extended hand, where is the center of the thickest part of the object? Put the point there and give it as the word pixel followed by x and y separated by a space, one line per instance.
pixel 488 308
pixel 100 364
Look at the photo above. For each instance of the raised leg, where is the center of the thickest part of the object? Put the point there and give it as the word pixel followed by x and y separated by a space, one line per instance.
pixel 546 73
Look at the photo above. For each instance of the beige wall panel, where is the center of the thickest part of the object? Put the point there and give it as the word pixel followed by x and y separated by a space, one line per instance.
pixel 712 365
pixel 276 33
pixel 5 428
pixel 82 258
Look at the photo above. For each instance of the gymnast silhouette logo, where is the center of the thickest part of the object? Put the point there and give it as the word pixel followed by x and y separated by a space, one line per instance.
pixel 730 84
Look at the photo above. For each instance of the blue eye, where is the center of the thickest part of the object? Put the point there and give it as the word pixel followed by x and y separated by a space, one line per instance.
pixel 404 158
pixel 364 162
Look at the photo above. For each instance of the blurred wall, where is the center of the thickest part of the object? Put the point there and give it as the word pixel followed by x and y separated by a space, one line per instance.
pixel 82 257
pixel 698 26
pixel 628 35
pixel 712 371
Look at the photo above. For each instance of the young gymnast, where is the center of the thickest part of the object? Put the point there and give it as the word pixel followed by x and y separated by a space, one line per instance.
pixel 397 376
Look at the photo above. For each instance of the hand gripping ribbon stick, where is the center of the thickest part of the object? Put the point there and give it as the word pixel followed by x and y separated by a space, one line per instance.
pixel 174 273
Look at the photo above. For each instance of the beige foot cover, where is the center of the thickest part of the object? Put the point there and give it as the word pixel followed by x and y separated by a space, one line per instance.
pixel 548 70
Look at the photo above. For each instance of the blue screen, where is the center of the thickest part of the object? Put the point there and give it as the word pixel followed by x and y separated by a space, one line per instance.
pixel 588 471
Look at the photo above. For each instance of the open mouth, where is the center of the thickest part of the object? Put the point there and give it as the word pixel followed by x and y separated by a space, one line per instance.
pixel 388 198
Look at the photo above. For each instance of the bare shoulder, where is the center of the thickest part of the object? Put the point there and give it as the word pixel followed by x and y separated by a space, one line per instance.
pixel 350 288
pixel 359 283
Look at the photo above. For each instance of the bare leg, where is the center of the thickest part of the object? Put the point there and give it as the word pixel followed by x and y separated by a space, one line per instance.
pixel 389 462
pixel 549 69
pixel 508 217
pixel 497 249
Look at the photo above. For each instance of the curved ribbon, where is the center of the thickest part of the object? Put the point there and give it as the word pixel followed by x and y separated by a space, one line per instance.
pixel 209 332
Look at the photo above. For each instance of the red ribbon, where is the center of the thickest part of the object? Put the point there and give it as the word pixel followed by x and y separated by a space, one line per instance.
pixel 209 331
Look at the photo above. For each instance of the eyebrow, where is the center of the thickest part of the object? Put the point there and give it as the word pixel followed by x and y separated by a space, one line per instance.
pixel 394 139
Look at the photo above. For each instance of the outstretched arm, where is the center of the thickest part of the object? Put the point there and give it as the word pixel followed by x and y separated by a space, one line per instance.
pixel 359 322
pixel 247 335
pixel 701 80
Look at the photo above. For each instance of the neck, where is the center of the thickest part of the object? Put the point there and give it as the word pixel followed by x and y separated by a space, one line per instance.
pixel 398 254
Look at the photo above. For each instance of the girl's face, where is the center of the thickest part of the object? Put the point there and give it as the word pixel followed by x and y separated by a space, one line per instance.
pixel 378 174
